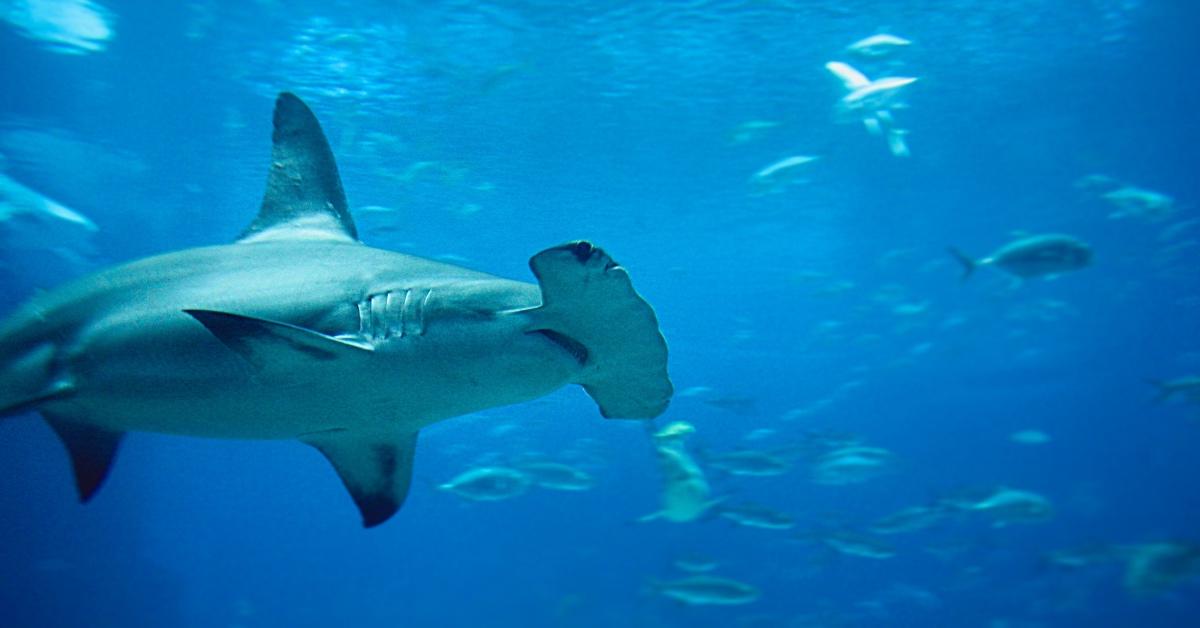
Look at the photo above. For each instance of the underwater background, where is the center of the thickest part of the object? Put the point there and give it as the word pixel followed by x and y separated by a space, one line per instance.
pixel 808 310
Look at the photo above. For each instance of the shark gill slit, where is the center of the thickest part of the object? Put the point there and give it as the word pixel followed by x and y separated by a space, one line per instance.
pixel 392 314
pixel 379 325
pixel 418 312
pixel 394 309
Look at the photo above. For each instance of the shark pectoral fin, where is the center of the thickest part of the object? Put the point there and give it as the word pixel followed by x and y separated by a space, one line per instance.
pixel 375 468
pixel 588 298
pixel 650 517
pixel 265 343
pixel 92 450
pixel 304 198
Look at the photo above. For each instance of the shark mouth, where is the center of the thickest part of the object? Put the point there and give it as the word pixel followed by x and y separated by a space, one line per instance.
pixel 567 343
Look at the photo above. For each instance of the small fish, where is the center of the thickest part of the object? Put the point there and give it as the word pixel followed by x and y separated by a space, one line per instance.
pixel 674 430
pixel 757 516
pixel 1078 558
pixel 72 27
pixel 909 519
pixel 851 465
pixel 750 131
pixel 557 476
pixel 1186 387
pixel 694 391
pixel 878 45
pixel 1158 567
pixel 855 544
pixel 1096 181
pixel 761 433
pixel 748 462
pixel 781 174
pixel 488 484
pixel 18 200
pixel 695 563
pixel 910 309
pixel 703 590
pixel 872 102
pixel 1034 256
pixel 1008 505
pixel 1135 202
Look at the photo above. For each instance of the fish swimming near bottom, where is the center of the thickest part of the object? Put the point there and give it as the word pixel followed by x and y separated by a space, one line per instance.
pixel 1033 256
pixel 299 331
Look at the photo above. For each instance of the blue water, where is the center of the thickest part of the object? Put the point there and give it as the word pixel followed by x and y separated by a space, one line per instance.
pixel 830 305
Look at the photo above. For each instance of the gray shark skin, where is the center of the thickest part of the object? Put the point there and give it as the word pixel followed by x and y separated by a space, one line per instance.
pixel 299 331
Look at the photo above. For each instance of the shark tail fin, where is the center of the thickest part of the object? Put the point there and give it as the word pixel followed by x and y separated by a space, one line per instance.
pixel 589 307
pixel 968 264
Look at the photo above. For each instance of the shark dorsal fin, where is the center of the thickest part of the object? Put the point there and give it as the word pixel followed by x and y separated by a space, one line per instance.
pixel 304 198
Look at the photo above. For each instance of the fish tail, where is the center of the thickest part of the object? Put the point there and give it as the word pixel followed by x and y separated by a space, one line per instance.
pixel 968 264
pixel 1162 392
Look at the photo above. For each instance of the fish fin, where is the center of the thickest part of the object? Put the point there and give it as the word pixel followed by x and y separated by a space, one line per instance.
pixel 873 124
pixel 650 517
pixel 897 144
pixel 712 508
pixel 304 198
pixel 375 468
pixel 263 343
pixel 590 308
pixel 650 586
pixel 1163 392
pixel 92 450
pixel 850 77
pixel 968 264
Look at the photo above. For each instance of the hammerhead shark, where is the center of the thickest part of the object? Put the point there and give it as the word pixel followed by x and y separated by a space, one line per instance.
pixel 297 330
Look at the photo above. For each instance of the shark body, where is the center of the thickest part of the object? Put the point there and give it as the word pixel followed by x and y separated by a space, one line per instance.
pixel 299 331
